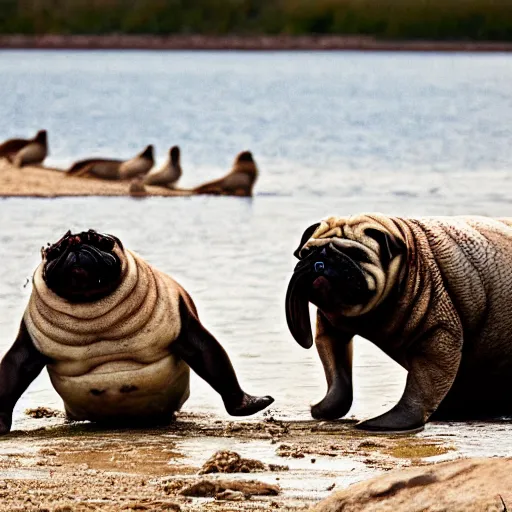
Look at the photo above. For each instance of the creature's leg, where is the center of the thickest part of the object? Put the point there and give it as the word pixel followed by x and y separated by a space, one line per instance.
pixel 433 366
pixel 19 367
pixel 335 351
pixel 203 353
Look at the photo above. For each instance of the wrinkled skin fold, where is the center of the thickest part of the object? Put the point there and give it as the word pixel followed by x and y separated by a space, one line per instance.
pixel 118 338
pixel 432 293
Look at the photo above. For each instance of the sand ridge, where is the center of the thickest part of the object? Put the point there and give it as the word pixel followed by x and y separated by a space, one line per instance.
pixel 34 181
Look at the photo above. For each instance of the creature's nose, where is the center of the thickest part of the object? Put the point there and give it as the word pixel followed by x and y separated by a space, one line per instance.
pixel 319 267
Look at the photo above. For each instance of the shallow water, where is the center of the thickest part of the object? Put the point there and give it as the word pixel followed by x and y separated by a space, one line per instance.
pixel 332 133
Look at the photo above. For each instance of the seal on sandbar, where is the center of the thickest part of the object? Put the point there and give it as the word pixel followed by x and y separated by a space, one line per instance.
pixel 169 173
pixel 239 182
pixel 23 152
pixel 112 169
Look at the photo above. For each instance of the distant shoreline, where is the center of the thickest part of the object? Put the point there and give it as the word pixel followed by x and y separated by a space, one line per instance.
pixel 241 43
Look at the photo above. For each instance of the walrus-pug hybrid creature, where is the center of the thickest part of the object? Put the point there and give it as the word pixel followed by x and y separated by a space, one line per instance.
pixel 112 169
pixel 118 338
pixel 435 294
pixel 26 151
pixel 238 182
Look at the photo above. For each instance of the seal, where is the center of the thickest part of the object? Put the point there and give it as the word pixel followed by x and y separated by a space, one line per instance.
pixel 169 173
pixel 238 182
pixel 117 336
pixel 112 169
pixel 23 152
pixel 433 293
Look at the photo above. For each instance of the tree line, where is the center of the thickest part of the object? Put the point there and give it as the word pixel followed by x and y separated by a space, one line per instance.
pixel 387 19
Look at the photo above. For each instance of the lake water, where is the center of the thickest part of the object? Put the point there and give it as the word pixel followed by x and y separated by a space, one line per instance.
pixel 332 133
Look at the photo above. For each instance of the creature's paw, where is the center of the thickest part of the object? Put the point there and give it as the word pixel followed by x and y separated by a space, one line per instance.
pixel 333 406
pixel 249 405
pixel 394 421
pixel 5 423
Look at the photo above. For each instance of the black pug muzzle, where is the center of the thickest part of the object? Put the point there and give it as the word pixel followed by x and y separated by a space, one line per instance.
pixel 328 278
pixel 82 267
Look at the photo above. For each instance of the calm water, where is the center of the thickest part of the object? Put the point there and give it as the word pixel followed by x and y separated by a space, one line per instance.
pixel 332 133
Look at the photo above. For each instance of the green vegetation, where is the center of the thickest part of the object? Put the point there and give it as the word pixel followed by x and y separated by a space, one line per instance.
pixel 387 19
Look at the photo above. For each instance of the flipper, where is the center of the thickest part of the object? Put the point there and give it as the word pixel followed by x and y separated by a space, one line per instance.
pixel 204 354
pixel 18 369
pixel 434 363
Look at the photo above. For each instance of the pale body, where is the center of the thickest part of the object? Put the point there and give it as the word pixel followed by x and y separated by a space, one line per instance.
pixel 113 169
pixel 26 151
pixel 111 358
pixel 136 166
pixel 33 153
pixel 167 175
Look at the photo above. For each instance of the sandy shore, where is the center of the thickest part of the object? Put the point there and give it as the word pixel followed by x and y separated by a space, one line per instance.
pixel 42 182
pixel 82 467
pixel 273 43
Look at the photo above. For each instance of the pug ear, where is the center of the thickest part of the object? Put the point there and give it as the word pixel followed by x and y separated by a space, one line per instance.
pixel 389 245
pixel 118 242
pixel 305 237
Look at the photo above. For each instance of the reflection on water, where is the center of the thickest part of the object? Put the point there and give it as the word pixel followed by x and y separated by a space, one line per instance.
pixel 332 133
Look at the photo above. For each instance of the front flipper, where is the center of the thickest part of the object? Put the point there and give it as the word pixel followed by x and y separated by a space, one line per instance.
pixel 19 367
pixel 204 354
pixel 433 367
pixel 335 351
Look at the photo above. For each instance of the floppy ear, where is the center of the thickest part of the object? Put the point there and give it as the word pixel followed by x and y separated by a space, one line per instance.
pixel 118 242
pixel 389 245
pixel 305 237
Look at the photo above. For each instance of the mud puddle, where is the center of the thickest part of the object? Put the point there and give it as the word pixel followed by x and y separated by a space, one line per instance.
pixel 87 468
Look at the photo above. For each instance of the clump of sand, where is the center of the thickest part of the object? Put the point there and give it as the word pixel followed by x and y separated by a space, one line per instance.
pixel 44 412
pixel 230 462
pixel 214 488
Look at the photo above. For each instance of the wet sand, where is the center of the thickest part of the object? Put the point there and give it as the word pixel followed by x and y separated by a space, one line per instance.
pixel 45 182
pixel 258 43
pixel 83 467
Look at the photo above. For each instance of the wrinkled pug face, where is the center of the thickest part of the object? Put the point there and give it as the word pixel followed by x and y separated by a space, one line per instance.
pixel 82 267
pixel 347 267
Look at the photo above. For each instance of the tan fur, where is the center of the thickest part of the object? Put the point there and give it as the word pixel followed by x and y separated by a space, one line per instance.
pixel 33 153
pixel 448 319
pixel 26 151
pixel 119 341
pixel 349 231
pixel 112 169
pixel 240 181
pixel 136 166
pixel 167 175
pixel 107 170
